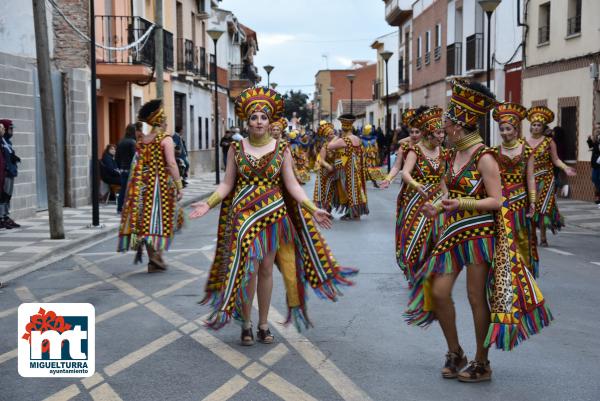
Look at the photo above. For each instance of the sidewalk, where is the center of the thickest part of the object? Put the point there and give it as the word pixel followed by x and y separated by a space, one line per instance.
pixel 580 214
pixel 23 249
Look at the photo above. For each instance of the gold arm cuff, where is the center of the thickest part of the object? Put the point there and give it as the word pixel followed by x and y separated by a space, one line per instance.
pixel 179 185
pixel 562 165
pixel 309 206
pixel 214 199
pixel 467 203
pixel 438 206
pixel 532 196
pixel 390 177
pixel 414 184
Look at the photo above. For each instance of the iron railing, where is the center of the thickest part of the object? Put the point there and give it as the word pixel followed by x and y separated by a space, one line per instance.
pixel 419 63
pixel 377 87
pixel 574 25
pixel 437 53
pixel 544 34
pixel 427 58
pixel 185 56
pixel 201 62
pixel 475 52
pixel 454 59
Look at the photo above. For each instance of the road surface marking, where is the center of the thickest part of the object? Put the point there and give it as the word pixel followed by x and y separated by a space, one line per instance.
pixel 341 383
pixel 220 349
pixel 7 312
pixel 116 311
pixel 284 389
pixel 7 356
pixel 559 251
pixel 73 291
pixel 64 394
pixel 275 355
pixel 92 381
pixel 24 294
pixel 228 390
pixel 136 356
pixel 174 287
pixel 105 393
pixel 254 370
pixel 167 314
pixel 187 268
pixel 595 263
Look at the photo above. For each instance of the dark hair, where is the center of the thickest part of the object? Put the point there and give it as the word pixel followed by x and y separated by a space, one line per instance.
pixel 178 129
pixel 130 130
pixel 110 145
pixel 476 86
pixel 148 108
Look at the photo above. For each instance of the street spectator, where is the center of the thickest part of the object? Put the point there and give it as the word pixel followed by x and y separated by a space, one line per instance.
pixel 593 142
pixel 181 155
pixel 559 136
pixel 226 141
pixel 236 135
pixel 109 169
pixel 124 157
pixel 10 172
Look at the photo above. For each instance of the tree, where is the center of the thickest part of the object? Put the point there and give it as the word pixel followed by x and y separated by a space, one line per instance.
pixel 297 102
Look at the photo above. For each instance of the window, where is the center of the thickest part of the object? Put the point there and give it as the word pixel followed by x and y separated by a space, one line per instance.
pixel 574 18
pixel 544 24
pixel 419 52
pixel 566 140
pixel 437 51
pixel 427 47
pixel 200 142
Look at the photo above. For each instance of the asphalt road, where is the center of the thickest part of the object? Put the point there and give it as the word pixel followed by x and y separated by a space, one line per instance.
pixel 151 344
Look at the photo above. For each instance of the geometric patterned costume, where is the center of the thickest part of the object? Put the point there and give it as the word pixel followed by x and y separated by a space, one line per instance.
pixel 371 151
pixel 325 180
pixel 259 217
pixel 545 205
pixel 150 214
pixel 350 196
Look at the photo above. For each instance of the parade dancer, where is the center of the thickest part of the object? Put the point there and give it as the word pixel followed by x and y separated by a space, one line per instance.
pixel 515 159
pixel 265 218
pixel 299 157
pixel 371 150
pixel 476 234
pixel 424 167
pixel 408 118
pixel 150 215
pixel 277 128
pixel 545 158
pixel 351 189
pixel 325 180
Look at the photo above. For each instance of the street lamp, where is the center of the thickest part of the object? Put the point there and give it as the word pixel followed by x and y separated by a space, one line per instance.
pixel 351 78
pixel 215 34
pixel 273 85
pixel 386 55
pixel 330 90
pixel 268 69
pixel 488 6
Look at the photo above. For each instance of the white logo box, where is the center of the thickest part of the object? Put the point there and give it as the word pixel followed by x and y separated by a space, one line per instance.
pixel 54 318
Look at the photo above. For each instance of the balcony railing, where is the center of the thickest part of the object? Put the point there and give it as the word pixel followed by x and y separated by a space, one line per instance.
pixel 454 59
pixel 475 52
pixel 240 72
pixel 377 87
pixel 437 53
pixel 427 58
pixel 419 63
pixel 543 34
pixel 119 31
pixel 574 25
pixel 211 68
pixel 185 56
pixel 201 61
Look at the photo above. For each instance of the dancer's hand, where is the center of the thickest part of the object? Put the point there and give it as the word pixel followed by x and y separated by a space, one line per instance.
pixel 450 205
pixel 323 218
pixel 570 171
pixel 199 209
pixel 385 184
pixel 531 212
pixel 422 192
pixel 429 210
pixel 179 195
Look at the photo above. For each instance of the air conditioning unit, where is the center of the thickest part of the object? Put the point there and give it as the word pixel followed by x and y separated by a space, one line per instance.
pixel 594 71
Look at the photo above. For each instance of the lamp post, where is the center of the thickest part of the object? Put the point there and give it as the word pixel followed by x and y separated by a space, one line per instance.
pixel 268 69
pixel 386 55
pixel 488 6
pixel 330 90
pixel 273 85
pixel 215 34
pixel 351 78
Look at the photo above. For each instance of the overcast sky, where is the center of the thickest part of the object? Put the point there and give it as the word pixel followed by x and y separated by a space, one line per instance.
pixel 293 35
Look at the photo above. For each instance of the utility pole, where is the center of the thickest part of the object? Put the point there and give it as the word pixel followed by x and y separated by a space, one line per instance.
pixel 55 199
pixel 94 122
pixel 159 48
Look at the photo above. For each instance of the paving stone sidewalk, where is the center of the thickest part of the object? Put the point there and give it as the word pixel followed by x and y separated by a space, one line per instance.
pixel 580 214
pixel 21 249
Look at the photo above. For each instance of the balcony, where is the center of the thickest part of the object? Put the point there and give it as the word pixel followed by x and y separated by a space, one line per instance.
pixel 475 52
pixel 437 53
pixel 403 71
pixel 377 88
pixel 243 72
pixel 119 31
pixel 202 69
pixel 419 63
pixel 427 58
pixel 454 59
pixel 574 25
pixel 185 56
pixel 394 15
pixel 543 35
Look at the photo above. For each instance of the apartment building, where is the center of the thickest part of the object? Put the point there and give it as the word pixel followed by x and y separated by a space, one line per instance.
pixel 562 54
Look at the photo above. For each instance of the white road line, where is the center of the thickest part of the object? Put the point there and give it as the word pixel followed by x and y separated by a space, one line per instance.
pixel 219 348
pixel 93 380
pixel 228 390
pixel 136 356
pixel 595 263
pixel 254 370
pixel 73 291
pixel 24 294
pixel 116 311
pixel 65 394
pixel 284 389
pixel 166 313
pixel 275 355
pixel 114 252
pixel 7 356
pixel 341 383
pixel 174 287
pixel 7 312
pixel 187 268
pixel 105 393
pixel 559 251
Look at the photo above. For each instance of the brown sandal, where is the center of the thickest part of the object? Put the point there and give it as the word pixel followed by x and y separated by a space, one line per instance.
pixel 476 372
pixel 154 267
pixel 265 336
pixel 247 338
pixel 455 361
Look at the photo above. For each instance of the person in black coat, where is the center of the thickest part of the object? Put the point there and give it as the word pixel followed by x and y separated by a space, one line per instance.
pixel 593 142
pixel 10 172
pixel 124 157
pixel 109 170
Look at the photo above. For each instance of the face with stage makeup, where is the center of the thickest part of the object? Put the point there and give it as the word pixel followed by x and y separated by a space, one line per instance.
pixel 508 132
pixel 258 123
pixel 537 128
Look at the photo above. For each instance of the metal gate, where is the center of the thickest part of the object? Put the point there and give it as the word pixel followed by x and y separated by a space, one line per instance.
pixel 40 156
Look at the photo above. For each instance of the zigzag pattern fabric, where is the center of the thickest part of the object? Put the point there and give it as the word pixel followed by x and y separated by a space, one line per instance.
pixel 325 184
pixel 260 217
pixel 545 206
pixel 371 152
pixel 351 187
pixel 150 214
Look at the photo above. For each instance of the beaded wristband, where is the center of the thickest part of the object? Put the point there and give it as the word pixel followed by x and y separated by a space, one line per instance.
pixel 214 199
pixel 309 206
pixel 467 203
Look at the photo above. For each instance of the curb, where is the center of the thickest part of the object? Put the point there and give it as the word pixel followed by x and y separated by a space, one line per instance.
pixel 62 252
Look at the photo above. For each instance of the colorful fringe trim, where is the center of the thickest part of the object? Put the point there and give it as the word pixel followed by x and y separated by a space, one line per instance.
pixel 507 336
pixel 468 252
